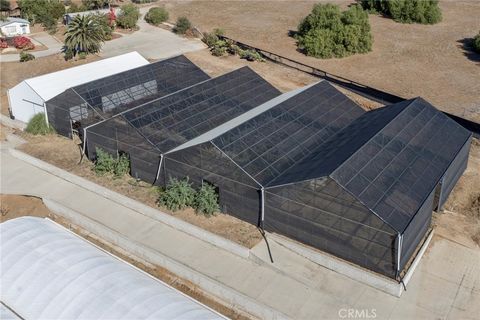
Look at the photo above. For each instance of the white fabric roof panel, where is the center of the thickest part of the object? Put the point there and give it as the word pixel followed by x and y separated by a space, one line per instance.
pixel 52 84
pixel 49 273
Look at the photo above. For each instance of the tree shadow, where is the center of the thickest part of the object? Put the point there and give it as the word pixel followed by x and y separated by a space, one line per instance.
pixel 466 45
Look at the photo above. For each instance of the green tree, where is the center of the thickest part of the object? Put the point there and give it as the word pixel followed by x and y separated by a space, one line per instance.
pixel 182 25
pixel 128 17
pixel 46 12
pixel 156 15
pixel 4 5
pixel 328 32
pixel 406 11
pixel 84 34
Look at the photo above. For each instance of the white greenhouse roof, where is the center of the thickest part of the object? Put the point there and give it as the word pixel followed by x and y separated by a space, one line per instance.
pixel 47 272
pixel 52 84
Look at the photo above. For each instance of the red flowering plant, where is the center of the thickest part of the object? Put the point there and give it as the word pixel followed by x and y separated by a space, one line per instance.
pixel 3 44
pixel 23 43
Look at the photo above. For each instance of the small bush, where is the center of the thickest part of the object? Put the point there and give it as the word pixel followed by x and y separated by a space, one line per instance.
pixel 182 25
pixel 476 43
pixel 251 55
pixel 206 200
pixel 156 16
pixel 105 163
pixel 219 51
pixel 68 54
pixel 129 16
pixel 82 55
pixel 178 195
pixel 122 166
pixel 38 125
pixel 327 32
pixel 23 43
pixel 25 56
pixel 406 11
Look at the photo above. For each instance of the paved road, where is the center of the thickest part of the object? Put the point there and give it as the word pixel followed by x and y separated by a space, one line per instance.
pixel 151 42
pixel 445 285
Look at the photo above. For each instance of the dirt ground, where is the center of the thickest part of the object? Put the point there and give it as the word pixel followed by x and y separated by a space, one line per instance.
pixel 65 154
pixel 407 60
pixel 461 218
pixel 283 78
pixel 14 206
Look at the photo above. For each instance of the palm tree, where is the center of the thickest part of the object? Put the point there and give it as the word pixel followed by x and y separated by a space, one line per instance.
pixel 84 34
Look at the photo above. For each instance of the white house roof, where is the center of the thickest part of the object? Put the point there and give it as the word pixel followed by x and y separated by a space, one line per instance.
pixel 13 20
pixel 50 85
pixel 47 272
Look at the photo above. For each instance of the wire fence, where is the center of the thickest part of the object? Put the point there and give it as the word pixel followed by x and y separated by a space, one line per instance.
pixel 359 88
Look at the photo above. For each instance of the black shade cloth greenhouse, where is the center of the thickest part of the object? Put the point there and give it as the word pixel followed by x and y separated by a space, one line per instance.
pixel 318 169
pixel 101 99
pixel 165 123
pixel 260 148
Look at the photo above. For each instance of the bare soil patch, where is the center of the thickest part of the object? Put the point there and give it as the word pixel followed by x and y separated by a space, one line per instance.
pixel 462 211
pixel 407 59
pixel 14 206
pixel 65 153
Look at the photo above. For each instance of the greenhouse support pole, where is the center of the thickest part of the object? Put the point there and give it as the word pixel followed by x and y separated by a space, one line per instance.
pixel 84 140
pixel 399 253
pixel 262 208
pixel 159 168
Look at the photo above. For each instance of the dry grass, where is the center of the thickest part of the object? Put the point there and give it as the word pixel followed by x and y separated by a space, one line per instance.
pixel 407 59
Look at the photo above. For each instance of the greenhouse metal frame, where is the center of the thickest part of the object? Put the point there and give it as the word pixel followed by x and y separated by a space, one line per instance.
pixel 309 164
pixel 101 99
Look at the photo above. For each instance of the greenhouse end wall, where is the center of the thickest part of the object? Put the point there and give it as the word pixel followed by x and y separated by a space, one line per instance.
pixel 117 136
pixel 239 195
pixel 454 172
pixel 321 214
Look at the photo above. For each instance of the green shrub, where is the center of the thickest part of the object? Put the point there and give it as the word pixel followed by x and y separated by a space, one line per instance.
pixel 251 55
pixel 210 38
pixel 105 163
pixel 476 43
pixel 327 32
pixel 156 16
pixel 122 166
pixel 128 17
pixel 25 56
pixel 82 55
pixel 178 195
pixel 38 125
pixel 206 200
pixel 182 25
pixel 406 11
pixel 219 51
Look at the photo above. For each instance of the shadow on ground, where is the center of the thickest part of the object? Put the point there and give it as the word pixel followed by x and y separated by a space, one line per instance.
pixel 466 45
